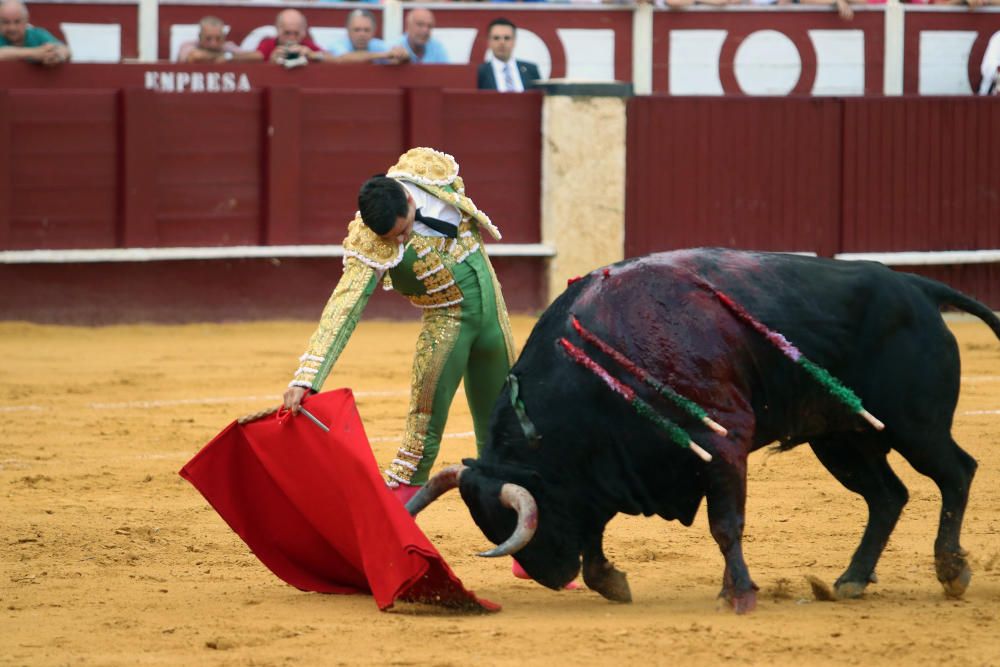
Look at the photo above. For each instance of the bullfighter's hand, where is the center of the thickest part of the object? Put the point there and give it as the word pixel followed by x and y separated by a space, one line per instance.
pixel 293 398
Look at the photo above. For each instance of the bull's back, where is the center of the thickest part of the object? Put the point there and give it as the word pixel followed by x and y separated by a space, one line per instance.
pixel 863 322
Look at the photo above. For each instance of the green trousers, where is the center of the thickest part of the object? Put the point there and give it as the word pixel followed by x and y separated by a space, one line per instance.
pixel 461 342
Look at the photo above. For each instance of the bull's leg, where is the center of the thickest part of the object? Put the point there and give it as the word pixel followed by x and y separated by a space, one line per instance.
pixel 862 468
pixel 599 574
pixel 952 470
pixel 727 496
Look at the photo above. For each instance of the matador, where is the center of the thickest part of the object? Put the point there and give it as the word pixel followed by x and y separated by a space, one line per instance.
pixel 418 233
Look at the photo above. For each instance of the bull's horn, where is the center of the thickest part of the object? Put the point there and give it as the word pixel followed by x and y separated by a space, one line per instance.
pixel 518 499
pixel 446 480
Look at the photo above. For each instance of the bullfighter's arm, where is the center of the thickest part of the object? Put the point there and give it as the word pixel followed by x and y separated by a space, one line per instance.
pixel 366 258
pixel 337 323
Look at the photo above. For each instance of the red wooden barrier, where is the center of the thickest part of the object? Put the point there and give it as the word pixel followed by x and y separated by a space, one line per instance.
pixel 5 168
pixel 921 174
pixel 749 173
pixel 495 140
pixel 279 166
pixel 61 172
pixel 825 176
pixel 134 168
pixel 234 77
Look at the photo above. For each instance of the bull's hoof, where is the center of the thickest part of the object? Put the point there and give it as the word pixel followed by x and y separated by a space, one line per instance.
pixel 609 582
pixel 849 590
pixel 955 587
pixel 741 603
pixel 953 572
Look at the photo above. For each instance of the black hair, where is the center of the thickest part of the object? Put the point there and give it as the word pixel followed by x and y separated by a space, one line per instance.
pixel 382 200
pixel 501 21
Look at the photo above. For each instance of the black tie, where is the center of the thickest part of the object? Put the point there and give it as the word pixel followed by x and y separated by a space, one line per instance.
pixel 446 228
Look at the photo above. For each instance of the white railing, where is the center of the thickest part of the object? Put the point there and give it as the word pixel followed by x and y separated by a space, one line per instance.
pixel 98 255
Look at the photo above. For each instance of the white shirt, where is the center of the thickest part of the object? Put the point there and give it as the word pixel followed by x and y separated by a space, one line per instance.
pixel 432 207
pixel 515 75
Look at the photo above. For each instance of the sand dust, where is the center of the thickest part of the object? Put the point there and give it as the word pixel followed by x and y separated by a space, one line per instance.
pixel 108 557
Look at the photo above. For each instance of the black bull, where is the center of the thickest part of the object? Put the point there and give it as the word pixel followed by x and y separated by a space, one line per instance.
pixel 569 453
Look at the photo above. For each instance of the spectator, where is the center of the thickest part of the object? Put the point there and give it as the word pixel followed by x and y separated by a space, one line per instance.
pixel 843 7
pixel 417 39
pixel 19 40
pixel 362 46
pixel 991 67
pixel 502 72
pixel 212 47
pixel 293 45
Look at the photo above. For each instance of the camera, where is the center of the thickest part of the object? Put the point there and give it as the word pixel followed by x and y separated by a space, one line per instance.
pixel 293 59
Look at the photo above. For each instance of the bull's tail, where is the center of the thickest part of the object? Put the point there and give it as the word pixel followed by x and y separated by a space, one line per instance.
pixel 945 295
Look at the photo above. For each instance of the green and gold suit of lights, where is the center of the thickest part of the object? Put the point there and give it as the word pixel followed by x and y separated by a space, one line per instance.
pixel 465 333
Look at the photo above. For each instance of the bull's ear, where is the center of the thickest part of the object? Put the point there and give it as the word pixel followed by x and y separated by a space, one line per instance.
pixel 470 463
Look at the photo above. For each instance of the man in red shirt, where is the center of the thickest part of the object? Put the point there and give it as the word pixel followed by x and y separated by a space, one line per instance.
pixel 293 43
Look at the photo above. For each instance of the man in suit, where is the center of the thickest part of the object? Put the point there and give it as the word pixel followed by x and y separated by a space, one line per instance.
pixel 502 72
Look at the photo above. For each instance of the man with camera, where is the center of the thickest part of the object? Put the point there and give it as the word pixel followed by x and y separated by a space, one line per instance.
pixel 293 46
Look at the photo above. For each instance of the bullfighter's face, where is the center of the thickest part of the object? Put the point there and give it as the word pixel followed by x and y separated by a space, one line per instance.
pixel 403 229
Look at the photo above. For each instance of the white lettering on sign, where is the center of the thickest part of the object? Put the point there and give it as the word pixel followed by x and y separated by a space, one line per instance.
pixel 197 82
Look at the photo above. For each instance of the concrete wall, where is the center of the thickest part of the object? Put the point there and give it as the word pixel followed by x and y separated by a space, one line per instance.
pixel 583 184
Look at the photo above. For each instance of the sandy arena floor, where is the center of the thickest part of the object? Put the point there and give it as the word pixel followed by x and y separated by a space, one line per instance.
pixel 108 557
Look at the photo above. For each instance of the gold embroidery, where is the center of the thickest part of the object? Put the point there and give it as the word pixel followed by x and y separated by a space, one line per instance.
pixel 427 265
pixel 434 345
pixel 448 296
pixel 425 166
pixel 336 324
pixel 433 268
pixel 367 246
pixel 437 173
pixel 467 242
pixel 435 282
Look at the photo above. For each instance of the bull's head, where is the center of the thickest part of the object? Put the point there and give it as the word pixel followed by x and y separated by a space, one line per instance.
pixel 511 517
